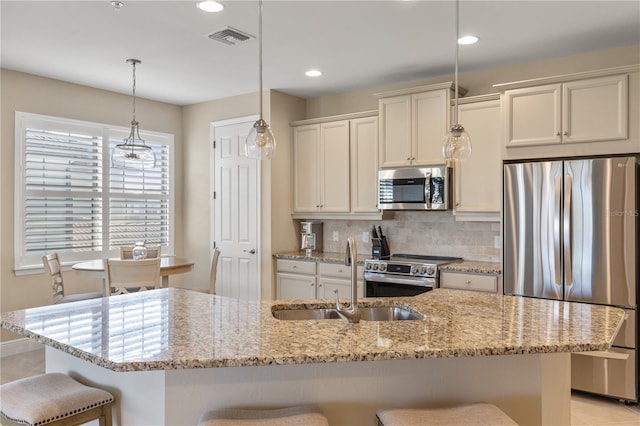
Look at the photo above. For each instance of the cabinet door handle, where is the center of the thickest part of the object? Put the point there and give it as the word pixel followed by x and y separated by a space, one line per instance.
pixel 312 284
pixel 558 134
pixel 566 133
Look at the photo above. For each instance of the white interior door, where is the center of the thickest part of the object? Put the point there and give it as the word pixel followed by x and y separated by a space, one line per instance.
pixel 235 206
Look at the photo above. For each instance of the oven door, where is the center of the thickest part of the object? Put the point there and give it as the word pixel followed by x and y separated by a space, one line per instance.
pixel 388 285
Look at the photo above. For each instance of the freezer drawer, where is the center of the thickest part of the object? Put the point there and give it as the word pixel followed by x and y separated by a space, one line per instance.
pixel 610 373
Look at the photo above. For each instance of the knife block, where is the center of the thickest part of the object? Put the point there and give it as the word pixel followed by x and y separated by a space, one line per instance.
pixel 380 248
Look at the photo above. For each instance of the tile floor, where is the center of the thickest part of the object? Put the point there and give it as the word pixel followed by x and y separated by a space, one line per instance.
pixel 586 409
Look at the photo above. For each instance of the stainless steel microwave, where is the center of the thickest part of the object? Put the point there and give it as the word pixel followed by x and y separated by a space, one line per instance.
pixel 415 188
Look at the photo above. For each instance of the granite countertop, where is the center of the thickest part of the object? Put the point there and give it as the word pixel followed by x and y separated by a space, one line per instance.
pixel 172 328
pixel 469 266
pixel 324 256
pixel 472 266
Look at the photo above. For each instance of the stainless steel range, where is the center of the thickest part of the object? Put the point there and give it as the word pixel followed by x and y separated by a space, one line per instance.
pixel 403 274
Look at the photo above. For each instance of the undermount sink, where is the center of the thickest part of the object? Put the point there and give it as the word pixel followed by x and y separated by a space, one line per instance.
pixel 378 313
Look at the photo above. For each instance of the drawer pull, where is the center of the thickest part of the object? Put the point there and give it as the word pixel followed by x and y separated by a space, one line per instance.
pixel 467 282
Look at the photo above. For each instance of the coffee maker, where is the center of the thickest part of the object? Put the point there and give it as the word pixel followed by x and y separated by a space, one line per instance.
pixel 311 236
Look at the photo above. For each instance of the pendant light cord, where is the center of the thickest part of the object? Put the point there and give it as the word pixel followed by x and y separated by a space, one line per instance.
pixel 455 111
pixel 134 90
pixel 260 54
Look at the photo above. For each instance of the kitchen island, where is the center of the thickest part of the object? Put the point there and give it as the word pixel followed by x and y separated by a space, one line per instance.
pixel 168 355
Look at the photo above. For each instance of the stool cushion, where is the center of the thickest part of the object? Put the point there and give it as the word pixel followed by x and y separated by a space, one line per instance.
pixel 47 397
pixel 480 414
pixel 299 415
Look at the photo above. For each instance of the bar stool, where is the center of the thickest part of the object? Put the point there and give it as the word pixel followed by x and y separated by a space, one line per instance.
pixel 54 399
pixel 478 414
pixel 291 416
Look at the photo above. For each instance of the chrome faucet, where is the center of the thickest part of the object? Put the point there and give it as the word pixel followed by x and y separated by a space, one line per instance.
pixel 350 259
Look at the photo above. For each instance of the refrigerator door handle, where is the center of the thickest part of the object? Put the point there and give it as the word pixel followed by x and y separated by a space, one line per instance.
pixel 556 232
pixel 566 238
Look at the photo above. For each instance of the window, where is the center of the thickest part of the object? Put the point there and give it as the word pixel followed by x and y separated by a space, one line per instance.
pixel 70 200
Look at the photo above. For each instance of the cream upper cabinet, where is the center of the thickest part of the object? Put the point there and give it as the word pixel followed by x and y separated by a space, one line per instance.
pixel 412 127
pixel 588 110
pixel 306 197
pixel 335 167
pixel 364 165
pixel 478 180
pixel 395 131
pixel 321 167
pixel 429 124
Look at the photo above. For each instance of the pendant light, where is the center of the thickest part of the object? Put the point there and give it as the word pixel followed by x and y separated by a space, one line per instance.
pixel 260 143
pixel 133 153
pixel 456 145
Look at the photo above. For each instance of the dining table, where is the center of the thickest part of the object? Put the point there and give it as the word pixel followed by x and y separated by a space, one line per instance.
pixel 169 265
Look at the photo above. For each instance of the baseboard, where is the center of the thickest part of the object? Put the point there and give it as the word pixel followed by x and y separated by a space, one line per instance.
pixel 17 346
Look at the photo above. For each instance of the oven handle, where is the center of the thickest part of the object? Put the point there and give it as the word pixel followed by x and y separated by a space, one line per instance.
pixel 419 282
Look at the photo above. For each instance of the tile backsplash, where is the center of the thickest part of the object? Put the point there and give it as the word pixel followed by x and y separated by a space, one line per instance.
pixel 430 233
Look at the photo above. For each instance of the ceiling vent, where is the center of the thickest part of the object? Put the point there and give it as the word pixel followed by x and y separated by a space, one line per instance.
pixel 230 36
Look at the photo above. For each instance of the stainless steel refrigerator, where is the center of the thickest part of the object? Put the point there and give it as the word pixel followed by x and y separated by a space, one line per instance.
pixel 570 232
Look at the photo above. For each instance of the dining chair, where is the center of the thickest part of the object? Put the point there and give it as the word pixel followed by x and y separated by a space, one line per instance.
pixel 214 270
pixel 129 276
pixel 52 267
pixel 152 251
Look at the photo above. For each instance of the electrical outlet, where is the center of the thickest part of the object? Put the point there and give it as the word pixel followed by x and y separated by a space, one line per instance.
pixel 336 236
pixel 496 242
pixel 365 237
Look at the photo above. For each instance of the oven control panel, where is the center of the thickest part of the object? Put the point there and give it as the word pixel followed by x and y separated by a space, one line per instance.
pixel 400 268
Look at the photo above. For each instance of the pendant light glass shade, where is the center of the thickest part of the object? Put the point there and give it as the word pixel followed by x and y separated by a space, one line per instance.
pixel 456 144
pixel 133 153
pixel 260 143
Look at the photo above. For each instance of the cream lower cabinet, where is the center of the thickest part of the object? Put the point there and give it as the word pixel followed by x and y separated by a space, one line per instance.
pixel 412 127
pixel 336 276
pixel 314 280
pixel 321 167
pixel 478 180
pixel 588 110
pixel 295 279
pixel 465 281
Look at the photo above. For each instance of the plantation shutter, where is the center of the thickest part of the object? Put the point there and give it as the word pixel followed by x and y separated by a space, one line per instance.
pixel 63 191
pixel 139 202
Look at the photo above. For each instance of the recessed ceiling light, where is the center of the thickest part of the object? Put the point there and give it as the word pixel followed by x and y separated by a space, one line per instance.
pixel 210 6
pixel 313 73
pixel 468 39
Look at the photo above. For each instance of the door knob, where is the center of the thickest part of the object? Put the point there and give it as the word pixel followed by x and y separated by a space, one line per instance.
pixel 252 251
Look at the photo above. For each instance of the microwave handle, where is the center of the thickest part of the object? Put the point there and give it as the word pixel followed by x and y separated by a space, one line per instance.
pixel 427 189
